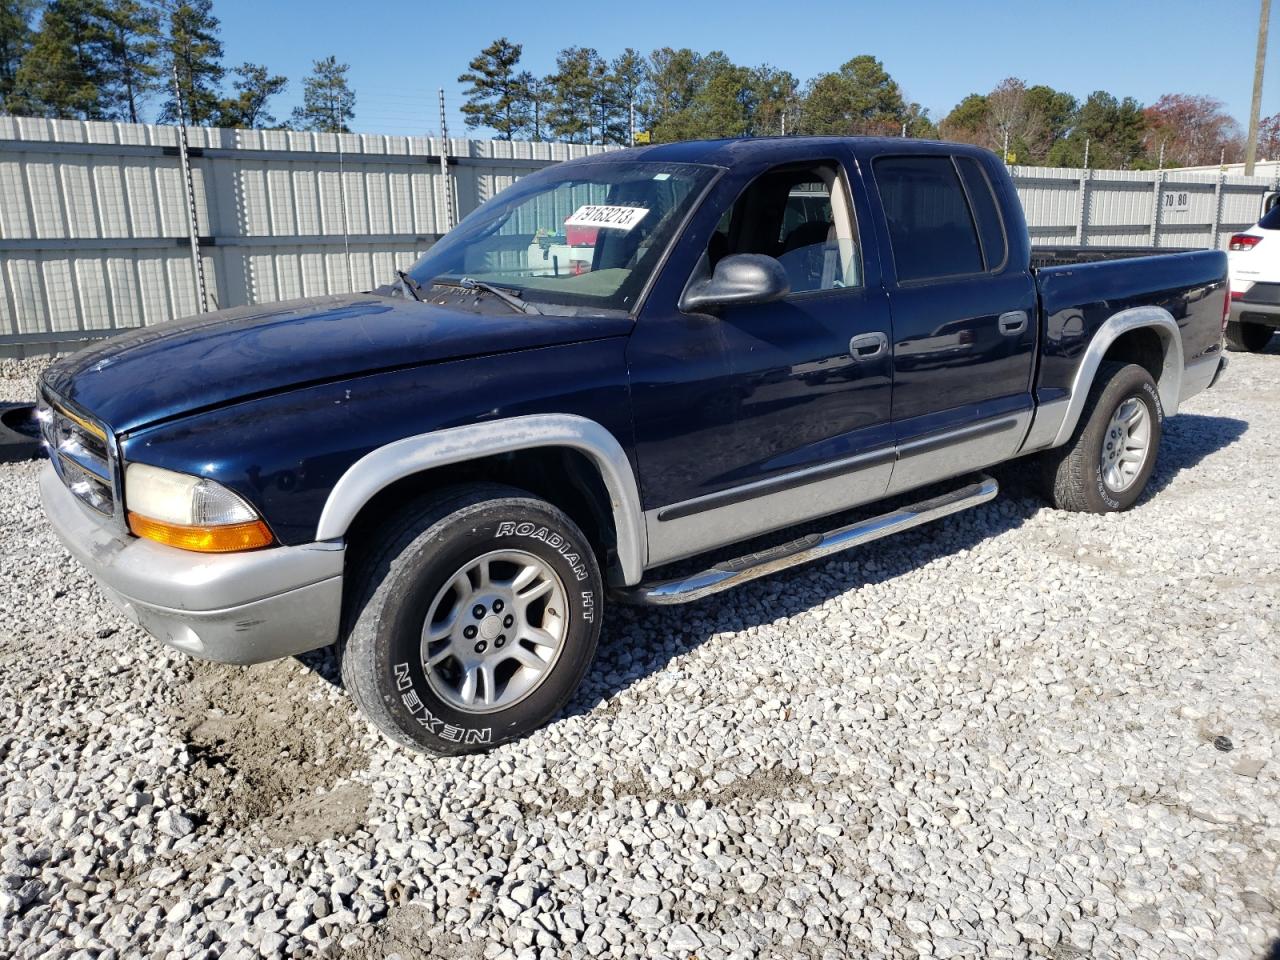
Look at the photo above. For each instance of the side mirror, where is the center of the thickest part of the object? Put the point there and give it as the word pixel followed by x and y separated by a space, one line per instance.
pixel 738 279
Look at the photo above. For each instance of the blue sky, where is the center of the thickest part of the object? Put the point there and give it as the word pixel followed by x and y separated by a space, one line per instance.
pixel 400 52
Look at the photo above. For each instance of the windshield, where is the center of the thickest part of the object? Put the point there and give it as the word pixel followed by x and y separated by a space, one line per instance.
pixel 569 238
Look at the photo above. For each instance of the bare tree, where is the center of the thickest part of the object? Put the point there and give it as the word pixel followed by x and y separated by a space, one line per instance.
pixel 1011 121
pixel 1193 130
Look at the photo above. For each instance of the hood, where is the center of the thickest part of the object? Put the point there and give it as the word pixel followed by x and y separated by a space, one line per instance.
pixel 216 358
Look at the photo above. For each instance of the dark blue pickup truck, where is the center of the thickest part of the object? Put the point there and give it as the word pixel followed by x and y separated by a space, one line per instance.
pixel 618 363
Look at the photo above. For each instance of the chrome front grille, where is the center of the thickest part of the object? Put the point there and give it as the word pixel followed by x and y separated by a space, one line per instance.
pixel 80 451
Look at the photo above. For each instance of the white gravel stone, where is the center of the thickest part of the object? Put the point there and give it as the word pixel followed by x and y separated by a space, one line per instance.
pixel 993 736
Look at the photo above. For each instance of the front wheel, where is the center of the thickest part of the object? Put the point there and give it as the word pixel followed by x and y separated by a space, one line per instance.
pixel 1106 465
pixel 477 617
pixel 1247 337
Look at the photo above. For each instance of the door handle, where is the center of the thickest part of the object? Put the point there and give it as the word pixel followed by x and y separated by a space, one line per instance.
pixel 868 346
pixel 1013 322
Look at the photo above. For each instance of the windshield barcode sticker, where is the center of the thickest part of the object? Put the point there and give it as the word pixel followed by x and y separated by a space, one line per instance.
pixel 611 218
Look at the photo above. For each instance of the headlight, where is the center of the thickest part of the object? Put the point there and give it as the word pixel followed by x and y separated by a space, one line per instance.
pixel 192 513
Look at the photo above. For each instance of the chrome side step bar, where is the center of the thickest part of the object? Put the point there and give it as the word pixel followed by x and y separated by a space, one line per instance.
pixel 732 573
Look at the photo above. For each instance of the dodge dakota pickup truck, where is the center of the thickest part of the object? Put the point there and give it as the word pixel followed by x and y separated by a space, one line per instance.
pixel 613 368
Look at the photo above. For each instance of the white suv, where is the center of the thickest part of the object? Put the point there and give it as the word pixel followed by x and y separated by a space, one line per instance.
pixel 1254 263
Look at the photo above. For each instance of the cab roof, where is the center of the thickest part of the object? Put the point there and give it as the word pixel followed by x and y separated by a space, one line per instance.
pixel 726 153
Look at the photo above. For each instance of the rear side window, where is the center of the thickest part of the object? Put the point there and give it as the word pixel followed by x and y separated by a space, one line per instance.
pixel 1271 219
pixel 985 211
pixel 930 226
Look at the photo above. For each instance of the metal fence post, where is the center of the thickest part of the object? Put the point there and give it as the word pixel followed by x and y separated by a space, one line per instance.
pixel 1082 214
pixel 1156 184
pixel 447 223
pixel 346 225
pixel 1217 209
pixel 197 262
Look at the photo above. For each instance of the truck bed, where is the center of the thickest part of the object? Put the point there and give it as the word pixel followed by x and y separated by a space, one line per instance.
pixel 1076 298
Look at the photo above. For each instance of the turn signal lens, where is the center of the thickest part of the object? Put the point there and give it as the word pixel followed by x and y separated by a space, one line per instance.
pixel 223 539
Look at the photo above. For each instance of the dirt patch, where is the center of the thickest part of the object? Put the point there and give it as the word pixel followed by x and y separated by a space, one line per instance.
pixel 308 819
pixel 411 932
pixel 273 748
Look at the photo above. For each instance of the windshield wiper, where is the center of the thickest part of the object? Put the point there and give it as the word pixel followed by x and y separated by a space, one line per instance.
pixel 410 285
pixel 512 300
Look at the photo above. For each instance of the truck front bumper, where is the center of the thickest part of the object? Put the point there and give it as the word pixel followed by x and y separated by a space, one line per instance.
pixel 232 607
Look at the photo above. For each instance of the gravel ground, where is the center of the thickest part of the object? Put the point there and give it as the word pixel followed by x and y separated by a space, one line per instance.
pixel 1013 733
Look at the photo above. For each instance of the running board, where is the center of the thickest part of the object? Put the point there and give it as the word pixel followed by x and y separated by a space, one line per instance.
pixel 732 573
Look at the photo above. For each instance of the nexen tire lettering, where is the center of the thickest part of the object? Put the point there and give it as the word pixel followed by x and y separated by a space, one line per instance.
pixel 429 721
pixel 555 541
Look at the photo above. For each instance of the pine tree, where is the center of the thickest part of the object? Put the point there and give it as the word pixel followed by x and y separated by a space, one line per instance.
pixel 726 99
pixel 196 51
pixel 674 78
pixel 577 100
pixel 918 124
pixel 132 68
pixel 619 87
pixel 777 102
pixel 497 96
pixel 537 94
pixel 328 103
pixel 61 74
pixel 256 86
pixel 697 96
pixel 1111 129
pixel 1058 109
pixel 859 98
pixel 16 36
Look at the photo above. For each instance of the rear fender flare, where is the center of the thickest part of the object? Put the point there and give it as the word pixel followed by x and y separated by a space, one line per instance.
pixel 1169 383
pixel 381 467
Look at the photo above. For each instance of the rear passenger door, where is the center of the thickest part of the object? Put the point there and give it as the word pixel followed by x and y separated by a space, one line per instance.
pixel 964 331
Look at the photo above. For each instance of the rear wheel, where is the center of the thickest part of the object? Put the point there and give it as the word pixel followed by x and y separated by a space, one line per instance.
pixel 1248 337
pixel 477 616
pixel 1106 465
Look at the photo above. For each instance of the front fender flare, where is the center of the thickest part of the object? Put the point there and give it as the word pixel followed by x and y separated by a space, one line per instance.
pixel 403 458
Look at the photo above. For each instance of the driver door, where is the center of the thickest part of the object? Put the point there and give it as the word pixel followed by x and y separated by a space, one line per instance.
pixel 778 411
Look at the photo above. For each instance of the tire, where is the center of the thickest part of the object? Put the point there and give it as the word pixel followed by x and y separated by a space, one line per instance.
pixel 1077 475
pixel 415 570
pixel 1248 337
